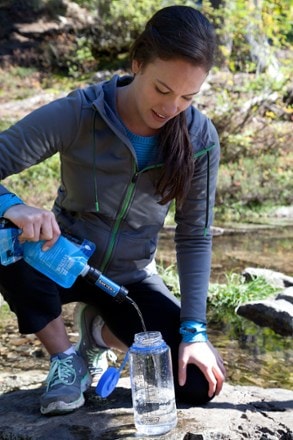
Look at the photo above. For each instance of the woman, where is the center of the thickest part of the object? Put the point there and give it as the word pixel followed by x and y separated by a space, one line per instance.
pixel 128 147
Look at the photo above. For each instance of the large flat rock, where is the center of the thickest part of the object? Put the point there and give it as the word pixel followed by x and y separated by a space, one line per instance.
pixel 240 412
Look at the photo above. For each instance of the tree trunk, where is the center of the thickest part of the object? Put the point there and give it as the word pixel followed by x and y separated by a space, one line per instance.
pixel 260 50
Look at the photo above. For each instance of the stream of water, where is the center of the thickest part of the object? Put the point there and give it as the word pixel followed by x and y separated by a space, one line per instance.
pixel 253 355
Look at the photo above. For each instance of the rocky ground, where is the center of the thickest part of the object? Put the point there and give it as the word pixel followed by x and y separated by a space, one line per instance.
pixel 240 412
pixel 23 353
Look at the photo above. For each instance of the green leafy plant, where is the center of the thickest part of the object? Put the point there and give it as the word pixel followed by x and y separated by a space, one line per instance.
pixel 244 27
pixel 170 277
pixel 224 298
pixel 81 59
pixel 37 185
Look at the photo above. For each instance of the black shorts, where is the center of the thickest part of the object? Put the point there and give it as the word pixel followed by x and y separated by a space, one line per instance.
pixel 36 301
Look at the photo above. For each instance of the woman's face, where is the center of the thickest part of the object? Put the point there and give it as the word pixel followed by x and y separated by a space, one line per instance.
pixel 160 91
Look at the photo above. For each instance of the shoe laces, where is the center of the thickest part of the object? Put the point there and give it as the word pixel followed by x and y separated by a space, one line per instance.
pixel 111 356
pixel 96 355
pixel 61 372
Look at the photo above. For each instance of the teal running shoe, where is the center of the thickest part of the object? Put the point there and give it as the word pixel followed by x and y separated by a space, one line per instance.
pixel 67 380
pixel 86 318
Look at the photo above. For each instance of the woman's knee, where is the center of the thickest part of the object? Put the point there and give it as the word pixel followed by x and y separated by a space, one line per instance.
pixel 30 295
pixel 195 390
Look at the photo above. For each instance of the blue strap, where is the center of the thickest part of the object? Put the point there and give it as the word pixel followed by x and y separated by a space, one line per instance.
pixel 8 200
pixel 193 331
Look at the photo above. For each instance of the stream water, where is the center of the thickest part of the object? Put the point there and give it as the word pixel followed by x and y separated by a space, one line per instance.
pixel 253 355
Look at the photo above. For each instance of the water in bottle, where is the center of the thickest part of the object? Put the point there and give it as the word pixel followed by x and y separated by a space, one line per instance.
pixel 152 384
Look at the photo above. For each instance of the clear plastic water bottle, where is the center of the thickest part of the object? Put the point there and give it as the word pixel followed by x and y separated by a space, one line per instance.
pixel 152 384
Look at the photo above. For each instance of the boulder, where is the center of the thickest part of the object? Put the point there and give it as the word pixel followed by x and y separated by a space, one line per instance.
pixel 276 314
pixel 276 279
pixel 283 211
pixel 239 412
pixel 287 295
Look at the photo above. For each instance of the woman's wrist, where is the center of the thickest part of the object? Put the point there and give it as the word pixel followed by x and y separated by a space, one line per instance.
pixel 8 200
pixel 193 331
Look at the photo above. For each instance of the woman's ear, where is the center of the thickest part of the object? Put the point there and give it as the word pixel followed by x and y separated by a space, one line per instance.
pixel 135 66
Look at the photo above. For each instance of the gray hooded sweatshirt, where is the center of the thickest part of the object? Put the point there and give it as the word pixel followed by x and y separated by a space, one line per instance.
pixel 105 198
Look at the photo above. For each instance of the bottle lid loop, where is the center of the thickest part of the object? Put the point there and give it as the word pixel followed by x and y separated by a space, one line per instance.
pixel 109 379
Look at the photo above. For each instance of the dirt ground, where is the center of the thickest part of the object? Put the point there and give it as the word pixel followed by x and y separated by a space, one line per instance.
pixel 20 353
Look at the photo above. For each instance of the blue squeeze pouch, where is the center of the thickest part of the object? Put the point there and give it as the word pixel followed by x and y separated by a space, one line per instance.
pixel 63 262
pixel 10 248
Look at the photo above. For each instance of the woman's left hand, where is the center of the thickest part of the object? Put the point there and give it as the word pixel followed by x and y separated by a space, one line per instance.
pixel 207 359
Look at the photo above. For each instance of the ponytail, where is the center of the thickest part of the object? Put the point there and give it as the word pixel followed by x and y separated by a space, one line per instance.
pixel 177 172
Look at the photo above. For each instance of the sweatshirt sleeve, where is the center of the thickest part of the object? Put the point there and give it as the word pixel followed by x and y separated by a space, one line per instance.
pixel 193 235
pixel 39 135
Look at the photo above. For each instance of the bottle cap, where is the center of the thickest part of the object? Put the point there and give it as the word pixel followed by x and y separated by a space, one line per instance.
pixel 108 382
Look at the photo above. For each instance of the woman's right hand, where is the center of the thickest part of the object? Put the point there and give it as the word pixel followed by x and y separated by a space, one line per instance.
pixel 36 224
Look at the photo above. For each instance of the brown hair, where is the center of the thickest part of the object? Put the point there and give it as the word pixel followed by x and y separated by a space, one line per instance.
pixel 176 32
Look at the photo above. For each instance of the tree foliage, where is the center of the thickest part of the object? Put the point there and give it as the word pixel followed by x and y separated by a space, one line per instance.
pixel 250 98
pixel 246 29
pixel 249 31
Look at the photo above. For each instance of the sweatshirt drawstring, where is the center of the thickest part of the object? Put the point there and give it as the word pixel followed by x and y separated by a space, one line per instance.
pixel 199 154
pixel 97 207
pixel 208 195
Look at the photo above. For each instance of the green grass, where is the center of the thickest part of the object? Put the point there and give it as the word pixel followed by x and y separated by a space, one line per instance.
pixel 170 277
pixel 228 296
pixel 4 314
pixel 37 185
pixel 224 298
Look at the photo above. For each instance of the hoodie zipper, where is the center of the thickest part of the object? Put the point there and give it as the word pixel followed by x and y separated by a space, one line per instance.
pixel 122 212
pixel 120 217
pixel 128 197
